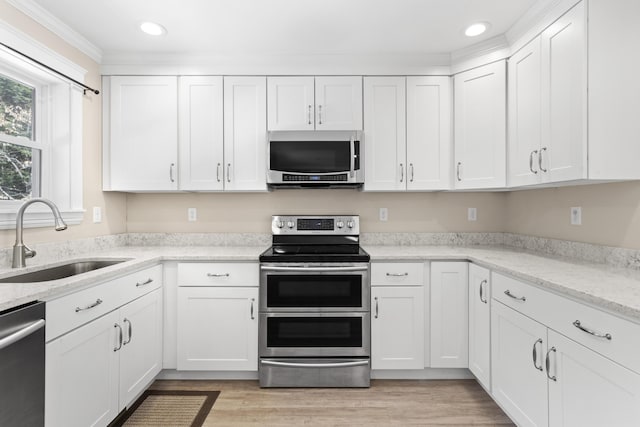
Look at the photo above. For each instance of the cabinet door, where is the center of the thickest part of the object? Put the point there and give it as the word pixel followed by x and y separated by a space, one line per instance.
pixel 525 115
pixel 143 141
pixel 338 103
pixel 385 133
pixel 397 327
pixel 480 127
pixel 141 354
pixel 245 134
pixel 81 387
pixel 480 324
pixel 290 103
pixel 518 380
pixel 428 133
pixel 590 390
pixel 449 315
pixel 218 329
pixel 201 135
pixel 564 89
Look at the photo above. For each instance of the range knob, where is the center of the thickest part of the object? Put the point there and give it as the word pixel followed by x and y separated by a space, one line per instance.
pixel 350 224
pixel 279 224
pixel 291 224
pixel 339 224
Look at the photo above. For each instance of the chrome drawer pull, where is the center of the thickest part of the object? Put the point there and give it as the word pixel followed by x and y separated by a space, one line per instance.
pixel 548 363
pixel 146 282
pixel 484 300
pixel 578 325
pixel 535 354
pixel 217 274
pixel 95 304
pixel 397 274
pixel 510 295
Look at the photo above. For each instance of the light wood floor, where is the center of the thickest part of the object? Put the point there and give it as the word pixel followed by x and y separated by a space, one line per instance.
pixel 386 403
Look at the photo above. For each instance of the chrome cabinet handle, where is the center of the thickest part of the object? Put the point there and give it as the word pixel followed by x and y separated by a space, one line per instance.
pixel 377 311
pixel 315 365
pixel 146 282
pixel 578 325
pixel 534 152
pixel 319 114
pixel 171 172
pixel 95 304
pixel 548 363
pixel 397 274
pixel 218 172
pixel 228 172
pixel 21 334
pixel 543 149
pixel 510 295
pixel 458 171
pixel 217 274
pixel 130 331
pixel 535 354
pixel 309 115
pixel 115 325
pixel 484 300
pixel 411 169
pixel 401 172
pixel 252 301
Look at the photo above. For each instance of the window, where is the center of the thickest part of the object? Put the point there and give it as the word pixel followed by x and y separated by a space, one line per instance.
pixel 40 133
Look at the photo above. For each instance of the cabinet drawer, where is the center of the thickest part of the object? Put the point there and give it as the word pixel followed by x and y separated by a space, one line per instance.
pixel 218 274
pixel 520 296
pixel 71 311
pixel 397 273
pixel 140 283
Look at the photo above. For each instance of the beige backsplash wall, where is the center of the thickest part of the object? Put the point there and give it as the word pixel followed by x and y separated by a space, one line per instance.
pixel 114 204
pixel 251 212
pixel 610 213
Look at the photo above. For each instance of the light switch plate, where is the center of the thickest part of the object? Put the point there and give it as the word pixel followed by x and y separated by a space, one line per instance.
pixel 472 214
pixel 576 215
pixel 384 214
pixel 97 214
pixel 192 214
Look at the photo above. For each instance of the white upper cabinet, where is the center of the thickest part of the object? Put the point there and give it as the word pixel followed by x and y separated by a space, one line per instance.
pixel 141 133
pixel 385 133
pixel 428 133
pixel 201 133
pixel 320 103
pixel 245 134
pixel 480 127
pixel 338 103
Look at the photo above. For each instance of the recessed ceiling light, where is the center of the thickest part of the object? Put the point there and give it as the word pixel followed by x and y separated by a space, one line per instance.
pixel 476 29
pixel 153 29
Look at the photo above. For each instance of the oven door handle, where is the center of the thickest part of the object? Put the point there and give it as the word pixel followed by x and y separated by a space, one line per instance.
pixel 315 365
pixel 312 269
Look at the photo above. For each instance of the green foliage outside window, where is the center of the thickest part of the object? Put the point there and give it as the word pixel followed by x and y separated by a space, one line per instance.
pixel 16 119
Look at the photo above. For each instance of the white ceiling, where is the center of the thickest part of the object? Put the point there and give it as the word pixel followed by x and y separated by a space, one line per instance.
pixel 285 27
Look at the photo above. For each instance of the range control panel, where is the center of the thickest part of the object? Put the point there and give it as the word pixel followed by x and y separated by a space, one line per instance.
pixel 317 224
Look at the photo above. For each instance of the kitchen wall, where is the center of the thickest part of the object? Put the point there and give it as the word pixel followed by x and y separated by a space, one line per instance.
pixel 113 205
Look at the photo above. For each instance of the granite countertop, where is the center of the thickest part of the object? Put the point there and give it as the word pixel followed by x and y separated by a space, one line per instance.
pixel 614 289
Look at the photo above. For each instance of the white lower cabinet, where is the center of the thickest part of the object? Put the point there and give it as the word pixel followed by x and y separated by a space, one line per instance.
pixel 480 324
pixel 96 370
pixel 449 315
pixel 218 328
pixel 397 315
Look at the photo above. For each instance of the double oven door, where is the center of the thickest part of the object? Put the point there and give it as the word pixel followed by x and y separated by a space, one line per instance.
pixel 314 310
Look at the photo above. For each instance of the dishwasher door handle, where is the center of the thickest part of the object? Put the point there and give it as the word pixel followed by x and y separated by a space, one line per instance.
pixel 21 334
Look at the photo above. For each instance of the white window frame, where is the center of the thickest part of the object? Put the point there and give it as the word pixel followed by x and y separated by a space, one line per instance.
pixel 58 129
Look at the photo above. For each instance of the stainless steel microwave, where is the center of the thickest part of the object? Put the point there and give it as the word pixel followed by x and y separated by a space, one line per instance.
pixel 315 159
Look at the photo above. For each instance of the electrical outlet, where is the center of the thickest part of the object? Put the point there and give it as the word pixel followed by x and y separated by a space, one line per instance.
pixel 192 214
pixel 97 214
pixel 472 214
pixel 384 214
pixel 576 216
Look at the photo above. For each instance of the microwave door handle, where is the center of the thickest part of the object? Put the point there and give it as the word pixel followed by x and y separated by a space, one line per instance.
pixel 352 167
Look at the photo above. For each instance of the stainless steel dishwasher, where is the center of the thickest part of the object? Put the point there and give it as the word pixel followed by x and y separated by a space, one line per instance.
pixel 22 354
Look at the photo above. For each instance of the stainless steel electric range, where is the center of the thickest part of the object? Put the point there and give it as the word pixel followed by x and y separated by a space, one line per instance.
pixel 314 318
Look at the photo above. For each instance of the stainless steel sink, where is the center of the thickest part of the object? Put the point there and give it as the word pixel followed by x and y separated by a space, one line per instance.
pixel 61 271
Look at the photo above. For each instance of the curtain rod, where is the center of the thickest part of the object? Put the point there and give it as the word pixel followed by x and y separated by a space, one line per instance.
pixel 85 88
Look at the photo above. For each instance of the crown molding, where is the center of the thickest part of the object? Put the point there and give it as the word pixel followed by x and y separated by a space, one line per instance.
pixel 59 28
pixel 490 50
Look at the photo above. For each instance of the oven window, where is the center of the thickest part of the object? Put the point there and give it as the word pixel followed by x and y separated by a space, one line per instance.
pixel 314 331
pixel 311 156
pixel 314 290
